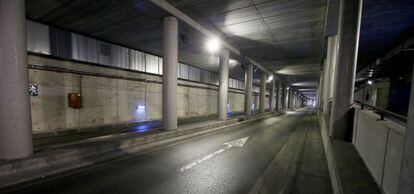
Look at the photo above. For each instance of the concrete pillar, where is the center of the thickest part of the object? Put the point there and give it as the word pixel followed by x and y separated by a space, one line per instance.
pixel 15 117
pixel 349 26
pixel 287 92
pixel 248 90
pixel 262 98
pixel 328 72
pixel 278 93
pixel 283 97
pixel 295 100
pixel 169 78
pixel 224 84
pixel 288 97
pixel 272 95
pixel 407 169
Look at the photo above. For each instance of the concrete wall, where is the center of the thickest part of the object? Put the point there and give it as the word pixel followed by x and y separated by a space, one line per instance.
pixel 377 94
pixel 380 144
pixel 110 96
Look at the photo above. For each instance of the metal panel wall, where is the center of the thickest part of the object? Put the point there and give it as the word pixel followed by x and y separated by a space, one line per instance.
pixel 38 37
pixel 151 63
pixel 160 61
pixel 194 74
pixel 183 71
pixel 104 53
pixel 242 85
pixel 119 57
pixel 84 48
pixel 205 77
pixel 137 60
pixel 214 78
pixel 60 42
pixel 231 83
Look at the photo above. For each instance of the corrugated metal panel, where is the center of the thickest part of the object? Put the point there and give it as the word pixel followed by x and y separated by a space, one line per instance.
pixel 37 37
pixel 194 73
pixel 151 62
pixel 214 78
pixel 183 71
pixel 119 57
pixel 231 82
pixel 84 48
pixel 137 60
pixel 105 53
pixel 160 65
pixel 205 78
pixel 242 85
pixel 60 42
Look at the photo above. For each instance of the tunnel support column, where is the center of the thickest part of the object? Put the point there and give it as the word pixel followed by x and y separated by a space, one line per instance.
pixel 349 26
pixel 224 84
pixel 272 96
pixel 262 99
pixel 407 174
pixel 286 98
pixel 169 78
pixel 15 116
pixel 278 90
pixel 248 90
pixel 328 71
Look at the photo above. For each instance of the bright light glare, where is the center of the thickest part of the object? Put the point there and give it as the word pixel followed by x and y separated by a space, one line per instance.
pixel 270 78
pixel 213 45
pixel 369 82
pixel 233 62
pixel 287 88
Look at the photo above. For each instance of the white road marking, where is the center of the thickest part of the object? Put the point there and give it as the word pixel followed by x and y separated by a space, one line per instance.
pixel 235 143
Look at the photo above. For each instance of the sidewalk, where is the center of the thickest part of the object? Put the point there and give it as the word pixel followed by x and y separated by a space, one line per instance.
pixel 312 175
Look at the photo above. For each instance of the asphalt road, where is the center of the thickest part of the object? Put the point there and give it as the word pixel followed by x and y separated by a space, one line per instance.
pixel 202 165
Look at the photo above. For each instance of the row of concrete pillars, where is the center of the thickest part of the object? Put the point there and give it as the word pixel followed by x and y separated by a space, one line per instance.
pixel 336 86
pixel 15 116
pixel 170 62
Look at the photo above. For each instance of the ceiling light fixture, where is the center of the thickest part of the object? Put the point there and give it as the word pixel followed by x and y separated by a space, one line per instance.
pixel 213 45
pixel 269 79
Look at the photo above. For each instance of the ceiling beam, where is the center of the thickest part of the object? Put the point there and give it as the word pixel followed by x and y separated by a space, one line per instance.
pixel 188 20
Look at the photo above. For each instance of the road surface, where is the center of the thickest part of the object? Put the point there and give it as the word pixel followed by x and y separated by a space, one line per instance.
pixel 231 161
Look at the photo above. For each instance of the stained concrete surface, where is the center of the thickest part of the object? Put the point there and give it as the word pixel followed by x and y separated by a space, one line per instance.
pixel 312 175
pixel 111 100
pixel 354 175
pixel 236 170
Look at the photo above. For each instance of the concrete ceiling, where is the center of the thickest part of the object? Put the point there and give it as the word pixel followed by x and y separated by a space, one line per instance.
pixel 285 36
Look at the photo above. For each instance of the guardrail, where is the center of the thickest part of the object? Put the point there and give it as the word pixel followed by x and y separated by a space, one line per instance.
pixel 382 112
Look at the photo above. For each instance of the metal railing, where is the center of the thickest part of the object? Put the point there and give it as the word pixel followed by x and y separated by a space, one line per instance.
pixel 382 112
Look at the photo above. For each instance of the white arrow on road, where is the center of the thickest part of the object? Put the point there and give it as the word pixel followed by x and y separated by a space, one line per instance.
pixel 235 143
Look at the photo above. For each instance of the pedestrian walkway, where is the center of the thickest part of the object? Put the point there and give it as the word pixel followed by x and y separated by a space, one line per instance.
pixel 312 174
